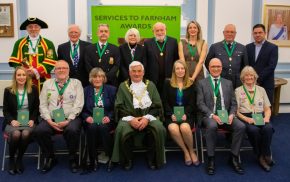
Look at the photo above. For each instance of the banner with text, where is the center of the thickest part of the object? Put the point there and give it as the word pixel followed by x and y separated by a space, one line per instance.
pixel 122 18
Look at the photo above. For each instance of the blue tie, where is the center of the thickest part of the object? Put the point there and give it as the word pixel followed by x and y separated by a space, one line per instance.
pixel 76 57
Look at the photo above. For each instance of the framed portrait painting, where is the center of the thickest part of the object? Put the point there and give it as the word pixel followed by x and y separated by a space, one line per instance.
pixel 277 23
pixel 6 20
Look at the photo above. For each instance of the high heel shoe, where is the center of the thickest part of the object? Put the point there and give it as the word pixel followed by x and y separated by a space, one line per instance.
pixel 19 166
pixel 196 163
pixel 12 168
pixel 188 163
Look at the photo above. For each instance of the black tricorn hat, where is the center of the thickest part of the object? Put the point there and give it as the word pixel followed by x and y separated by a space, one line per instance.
pixel 34 20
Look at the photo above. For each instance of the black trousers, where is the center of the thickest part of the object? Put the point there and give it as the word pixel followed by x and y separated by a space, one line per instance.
pixel 148 142
pixel 71 133
pixel 99 134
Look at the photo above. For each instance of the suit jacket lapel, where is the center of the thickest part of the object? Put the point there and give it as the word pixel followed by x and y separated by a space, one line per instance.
pixel 155 48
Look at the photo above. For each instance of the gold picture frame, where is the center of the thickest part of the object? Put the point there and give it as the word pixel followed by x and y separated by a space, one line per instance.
pixel 6 20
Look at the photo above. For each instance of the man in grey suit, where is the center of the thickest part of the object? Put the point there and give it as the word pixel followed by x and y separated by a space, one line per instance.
pixel 232 54
pixel 215 94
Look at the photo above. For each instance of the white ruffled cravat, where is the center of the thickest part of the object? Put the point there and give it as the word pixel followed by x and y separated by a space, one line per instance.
pixel 141 97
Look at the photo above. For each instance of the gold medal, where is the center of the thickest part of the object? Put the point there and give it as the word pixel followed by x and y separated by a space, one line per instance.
pixel 191 58
pixel 100 60
pixel 161 53
pixel 230 58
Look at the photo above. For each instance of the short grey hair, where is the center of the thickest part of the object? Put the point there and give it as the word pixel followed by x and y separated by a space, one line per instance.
pixel 97 72
pixel 74 25
pixel 157 24
pixel 136 63
pixel 248 70
pixel 130 32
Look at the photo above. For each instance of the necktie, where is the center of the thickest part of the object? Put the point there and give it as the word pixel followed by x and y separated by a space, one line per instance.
pixel 218 105
pixel 229 46
pixel 60 97
pixel 76 56
pixel 102 46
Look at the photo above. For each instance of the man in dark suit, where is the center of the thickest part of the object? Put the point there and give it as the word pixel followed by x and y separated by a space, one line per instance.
pixel 213 94
pixel 232 54
pixel 73 53
pixel 103 55
pixel 263 57
pixel 160 53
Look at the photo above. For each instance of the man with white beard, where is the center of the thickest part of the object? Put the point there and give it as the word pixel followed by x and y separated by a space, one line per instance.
pixel 160 53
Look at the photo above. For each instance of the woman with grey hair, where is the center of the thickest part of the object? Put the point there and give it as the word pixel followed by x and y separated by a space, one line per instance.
pixel 254 110
pixel 130 51
pixel 99 101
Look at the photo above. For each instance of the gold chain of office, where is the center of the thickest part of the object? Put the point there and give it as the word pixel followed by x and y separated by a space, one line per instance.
pixel 134 95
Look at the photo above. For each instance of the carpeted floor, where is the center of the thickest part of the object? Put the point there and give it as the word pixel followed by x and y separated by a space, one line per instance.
pixel 174 170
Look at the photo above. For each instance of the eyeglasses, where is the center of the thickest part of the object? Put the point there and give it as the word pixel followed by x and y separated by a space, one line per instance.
pixel 61 68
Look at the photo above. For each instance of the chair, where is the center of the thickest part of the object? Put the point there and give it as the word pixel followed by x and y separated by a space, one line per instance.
pixel 26 154
pixel 218 148
pixel 64 151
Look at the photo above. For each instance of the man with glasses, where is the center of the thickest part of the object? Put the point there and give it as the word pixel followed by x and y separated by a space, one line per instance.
pixel 73 53
pixel 61 102
pixel 232 54
pixel 216 100
pixel 103 55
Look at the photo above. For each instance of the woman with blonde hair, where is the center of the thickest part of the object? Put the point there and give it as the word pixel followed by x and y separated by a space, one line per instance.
pixel 193 50
pixel 130 51
pixel 20 99
pixel 179 92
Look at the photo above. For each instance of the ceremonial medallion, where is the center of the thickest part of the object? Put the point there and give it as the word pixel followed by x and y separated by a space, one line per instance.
pixel 100 60
pixel 161 53
pixel 230 58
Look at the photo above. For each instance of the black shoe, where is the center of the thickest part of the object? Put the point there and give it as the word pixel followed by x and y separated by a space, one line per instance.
pixel 236 165
pixel 128 165
pixel 12 167
pixel 269 160
pixel 151 164
pixel 48 165
pixel 19 166
pixel 93 166
pixel 110 166
pixel 73 166
pixel 210 166
pixel 264 164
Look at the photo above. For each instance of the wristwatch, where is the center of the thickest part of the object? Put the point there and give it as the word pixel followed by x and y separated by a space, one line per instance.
pixel 211 115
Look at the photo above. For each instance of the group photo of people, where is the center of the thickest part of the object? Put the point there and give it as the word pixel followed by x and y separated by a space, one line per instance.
pixel 129 96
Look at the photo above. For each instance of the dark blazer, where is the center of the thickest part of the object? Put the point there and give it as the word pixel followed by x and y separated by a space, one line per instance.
pixel 63 52
pixel 126 59
pixel 264 65
pixel 10 106
pixel 239 61
pixel 169 100
pixel 110 61
pixel 109 95
pixel 150 59
pixel 205 97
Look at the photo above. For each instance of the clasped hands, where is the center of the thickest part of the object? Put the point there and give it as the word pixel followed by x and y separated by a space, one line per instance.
pixel 58 126
pixel 139 123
